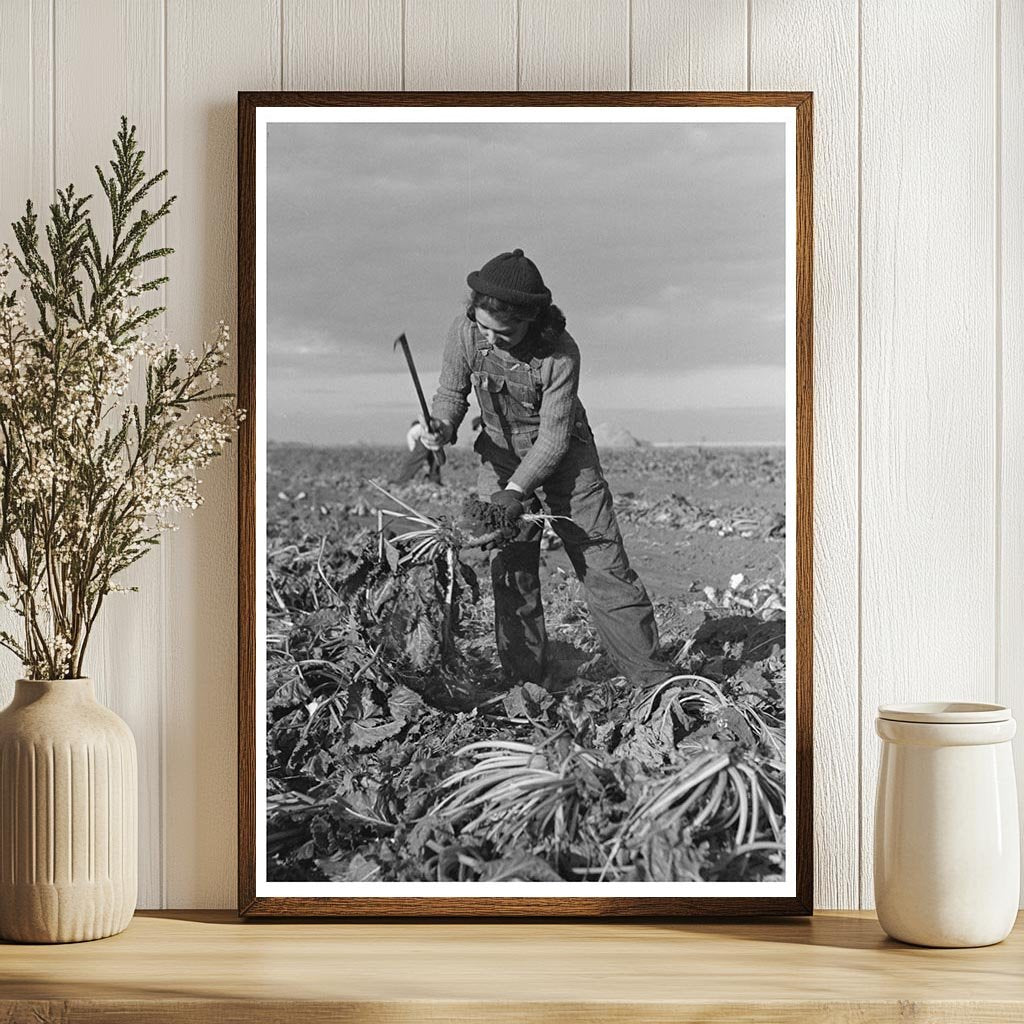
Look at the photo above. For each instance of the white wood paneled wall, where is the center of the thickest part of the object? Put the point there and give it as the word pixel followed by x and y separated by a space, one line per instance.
pixel 919 317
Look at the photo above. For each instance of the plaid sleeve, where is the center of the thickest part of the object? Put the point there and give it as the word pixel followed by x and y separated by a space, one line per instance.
pixel 453 388
pixel 561 377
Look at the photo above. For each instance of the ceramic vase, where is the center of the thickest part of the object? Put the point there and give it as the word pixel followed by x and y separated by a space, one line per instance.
pixel 947 846
pixel 68 815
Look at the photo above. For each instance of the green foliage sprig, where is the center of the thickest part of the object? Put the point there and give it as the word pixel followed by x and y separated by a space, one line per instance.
pixel 89 478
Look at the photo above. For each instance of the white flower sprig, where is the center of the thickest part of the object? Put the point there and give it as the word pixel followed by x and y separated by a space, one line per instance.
pixel 89 478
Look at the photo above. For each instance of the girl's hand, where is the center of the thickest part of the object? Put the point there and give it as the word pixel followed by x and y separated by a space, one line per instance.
pixel 434 439
pixel 510 500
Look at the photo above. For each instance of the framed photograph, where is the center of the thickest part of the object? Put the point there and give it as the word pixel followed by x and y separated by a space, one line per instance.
pixel 525 504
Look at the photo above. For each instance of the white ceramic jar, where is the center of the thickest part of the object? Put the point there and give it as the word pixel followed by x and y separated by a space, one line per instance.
pixel 947 846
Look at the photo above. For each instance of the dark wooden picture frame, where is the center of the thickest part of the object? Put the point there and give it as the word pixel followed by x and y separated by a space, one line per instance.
pixel 250 904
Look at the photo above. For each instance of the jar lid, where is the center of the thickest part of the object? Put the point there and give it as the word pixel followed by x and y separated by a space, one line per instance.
pixel 944 713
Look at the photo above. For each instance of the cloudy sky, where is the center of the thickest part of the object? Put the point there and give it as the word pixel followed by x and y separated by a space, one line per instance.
pixel 662 243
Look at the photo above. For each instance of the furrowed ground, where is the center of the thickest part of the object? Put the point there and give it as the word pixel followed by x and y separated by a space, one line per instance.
pixel 393 756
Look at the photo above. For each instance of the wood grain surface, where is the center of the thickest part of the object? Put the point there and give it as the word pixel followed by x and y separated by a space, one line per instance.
pixel 469 45
pixel 342 44
pixel 213 51
pixel 208 966
pixel 27 82
pixel 26 122
pixel 574 44
pixel 928 367
pixel 1009 256
pixel 780 58
pixel 689 44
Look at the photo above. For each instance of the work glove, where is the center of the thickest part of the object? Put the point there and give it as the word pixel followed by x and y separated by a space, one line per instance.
pixel 509 500
pixel 440 434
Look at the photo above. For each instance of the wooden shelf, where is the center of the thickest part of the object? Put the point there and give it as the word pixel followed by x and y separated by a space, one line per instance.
pixel 200 967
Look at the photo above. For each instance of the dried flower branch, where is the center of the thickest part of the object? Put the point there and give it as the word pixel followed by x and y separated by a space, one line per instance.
pixel 88 477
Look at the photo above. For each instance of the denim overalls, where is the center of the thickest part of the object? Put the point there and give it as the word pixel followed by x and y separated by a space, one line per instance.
pixel 510 393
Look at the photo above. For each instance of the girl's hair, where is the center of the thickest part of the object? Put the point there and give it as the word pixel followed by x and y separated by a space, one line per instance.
pixel 548 321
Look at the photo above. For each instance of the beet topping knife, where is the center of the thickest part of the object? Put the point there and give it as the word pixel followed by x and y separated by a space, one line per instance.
pixel 424 411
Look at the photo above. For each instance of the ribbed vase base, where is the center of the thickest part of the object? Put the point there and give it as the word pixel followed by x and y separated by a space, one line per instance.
pixel 63 913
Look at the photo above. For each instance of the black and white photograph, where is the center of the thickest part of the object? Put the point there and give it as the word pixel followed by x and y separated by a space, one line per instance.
pixel 525 502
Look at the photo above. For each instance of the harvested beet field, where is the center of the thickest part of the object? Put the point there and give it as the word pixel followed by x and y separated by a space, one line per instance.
pixel 397 752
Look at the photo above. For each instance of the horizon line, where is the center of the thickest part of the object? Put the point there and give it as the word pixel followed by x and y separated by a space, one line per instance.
pixel 614 447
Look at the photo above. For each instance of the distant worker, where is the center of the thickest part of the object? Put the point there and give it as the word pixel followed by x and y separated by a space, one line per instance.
pixel 420 458
pixel 510 345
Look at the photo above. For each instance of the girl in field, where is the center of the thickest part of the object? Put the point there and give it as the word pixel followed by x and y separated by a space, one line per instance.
pixel 511 346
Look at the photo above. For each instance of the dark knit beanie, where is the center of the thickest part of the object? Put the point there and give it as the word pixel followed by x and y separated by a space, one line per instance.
pixel 511 277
